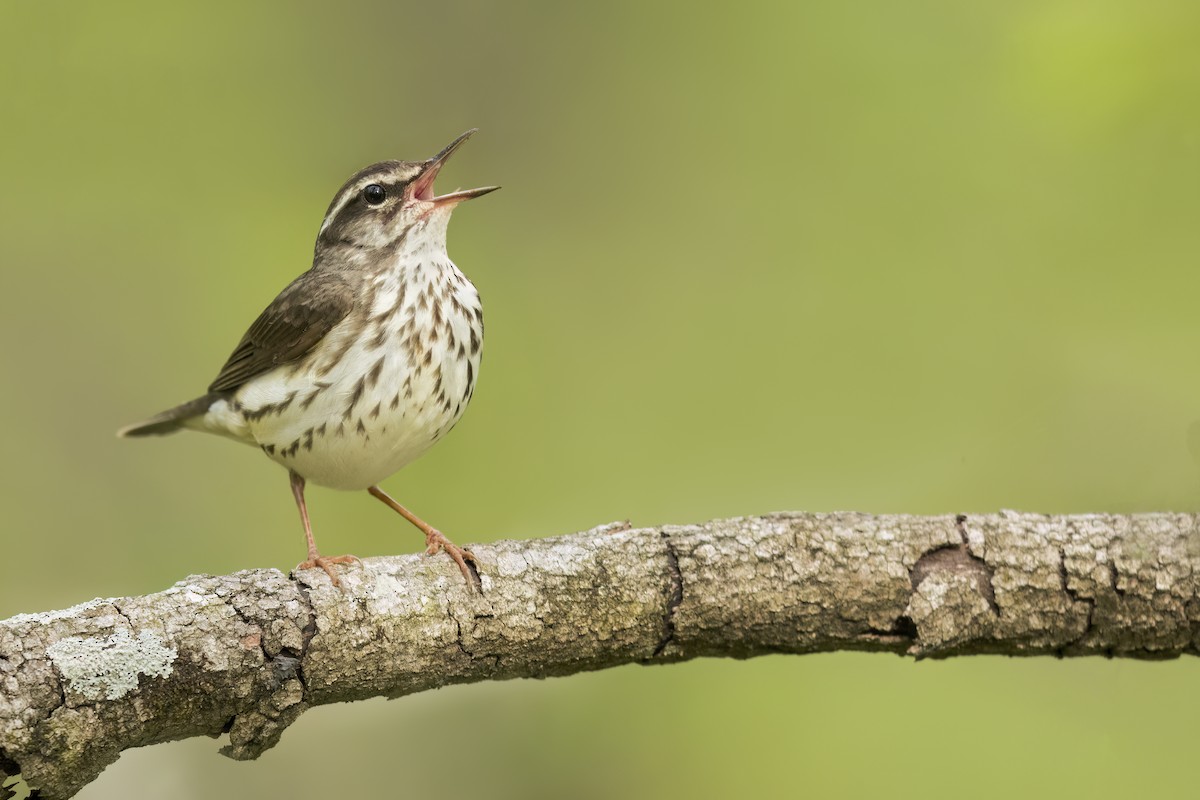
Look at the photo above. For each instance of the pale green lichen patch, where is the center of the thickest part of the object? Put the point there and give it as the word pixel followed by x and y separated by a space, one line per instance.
pixel 108 667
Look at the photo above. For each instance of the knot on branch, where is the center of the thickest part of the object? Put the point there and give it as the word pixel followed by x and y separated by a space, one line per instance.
pixel 953 600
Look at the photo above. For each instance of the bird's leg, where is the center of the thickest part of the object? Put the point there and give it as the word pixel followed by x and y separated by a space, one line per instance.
pixel 434 539
pixel 315 559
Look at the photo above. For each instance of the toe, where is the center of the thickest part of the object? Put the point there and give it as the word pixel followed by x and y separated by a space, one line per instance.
pixel 327 565
pixel 434 542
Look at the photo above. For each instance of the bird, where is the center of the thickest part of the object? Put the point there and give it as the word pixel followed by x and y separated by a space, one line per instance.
pixel 363 362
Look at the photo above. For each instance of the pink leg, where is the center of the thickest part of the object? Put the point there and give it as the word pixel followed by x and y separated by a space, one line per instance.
pixel 315 559
pixel 434 540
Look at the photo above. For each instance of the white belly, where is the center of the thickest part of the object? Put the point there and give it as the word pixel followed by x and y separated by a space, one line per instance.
pixel 374 395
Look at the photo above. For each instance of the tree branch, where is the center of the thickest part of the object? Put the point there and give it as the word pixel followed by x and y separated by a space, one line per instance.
pixel 245 654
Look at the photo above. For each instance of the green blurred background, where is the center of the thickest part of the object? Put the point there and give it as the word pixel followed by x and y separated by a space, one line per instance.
pixel 921 257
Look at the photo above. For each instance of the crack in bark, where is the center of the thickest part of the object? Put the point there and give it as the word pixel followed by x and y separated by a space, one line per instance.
pixel 262 639
pixel 284 665
pixel 306 633
pixel 905 627
pixel 674 596
pixel 458 633
pixel 122 613
pixel 960 523
pixel 1076 597
pixel 901 636
pixel 988 587
pixel 1113 576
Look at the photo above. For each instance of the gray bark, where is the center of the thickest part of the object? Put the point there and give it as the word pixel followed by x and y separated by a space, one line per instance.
pixel 245 654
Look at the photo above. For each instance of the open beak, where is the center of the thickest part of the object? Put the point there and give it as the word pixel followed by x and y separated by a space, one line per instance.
pixel 422 186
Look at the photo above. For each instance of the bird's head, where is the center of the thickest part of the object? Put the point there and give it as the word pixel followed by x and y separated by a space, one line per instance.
pixel 385 203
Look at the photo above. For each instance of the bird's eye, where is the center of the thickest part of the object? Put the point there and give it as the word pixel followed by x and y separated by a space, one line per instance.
pixel 374 194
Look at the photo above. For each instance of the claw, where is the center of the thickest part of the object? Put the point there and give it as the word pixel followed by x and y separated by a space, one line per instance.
pixel 326 563
pixel 436 542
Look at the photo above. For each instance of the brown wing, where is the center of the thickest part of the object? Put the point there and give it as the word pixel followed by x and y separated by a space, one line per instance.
pixel 291 326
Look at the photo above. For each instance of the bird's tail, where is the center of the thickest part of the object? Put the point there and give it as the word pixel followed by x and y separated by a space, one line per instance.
pixel 172 419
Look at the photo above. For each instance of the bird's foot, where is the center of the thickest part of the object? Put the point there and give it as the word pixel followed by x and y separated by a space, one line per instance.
pixel 436 541
pixel 326 563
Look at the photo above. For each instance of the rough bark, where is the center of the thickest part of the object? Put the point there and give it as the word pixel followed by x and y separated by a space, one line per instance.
pixel 245 654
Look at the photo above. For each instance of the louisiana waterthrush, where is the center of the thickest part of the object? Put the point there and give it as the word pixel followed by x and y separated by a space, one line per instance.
pixel 364 361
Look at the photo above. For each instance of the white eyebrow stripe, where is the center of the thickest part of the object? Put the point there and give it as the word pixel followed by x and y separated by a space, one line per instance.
pixel 348 194
pixel 399 173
